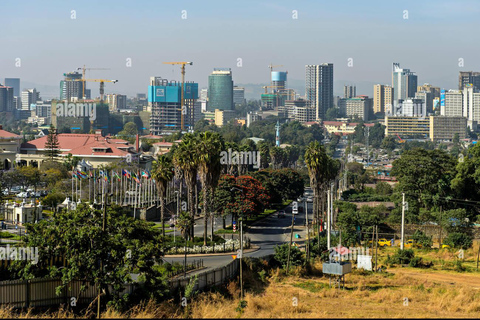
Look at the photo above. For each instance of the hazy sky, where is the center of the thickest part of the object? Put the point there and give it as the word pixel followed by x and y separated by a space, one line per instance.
pixel 216 33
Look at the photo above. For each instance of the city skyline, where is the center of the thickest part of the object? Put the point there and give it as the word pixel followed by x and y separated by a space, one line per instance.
pixel 365 58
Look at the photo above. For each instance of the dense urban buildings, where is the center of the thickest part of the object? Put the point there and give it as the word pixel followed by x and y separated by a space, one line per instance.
pixel 220 90
pixel 71 88
pixel 29 97
pixel 238 95
pixel 461 103
pixel 319 88
pixel 6 99
pixel 116 101
pixel 404 83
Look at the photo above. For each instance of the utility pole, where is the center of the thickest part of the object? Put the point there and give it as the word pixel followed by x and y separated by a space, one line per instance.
pixel 290 246
pixel 368 135
pixel 403 222
pixel 328 220
pixel 376 249
pixel 241 256
pixel 440 225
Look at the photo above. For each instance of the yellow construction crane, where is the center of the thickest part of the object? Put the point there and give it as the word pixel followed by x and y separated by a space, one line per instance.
pixel 102 81
pixel 83 76
pixel 271 66
pixel 183 85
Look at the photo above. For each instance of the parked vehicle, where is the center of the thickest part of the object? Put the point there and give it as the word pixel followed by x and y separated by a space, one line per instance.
pixel 281 214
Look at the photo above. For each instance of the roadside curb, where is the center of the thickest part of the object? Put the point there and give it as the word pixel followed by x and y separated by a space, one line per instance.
pixel 253 249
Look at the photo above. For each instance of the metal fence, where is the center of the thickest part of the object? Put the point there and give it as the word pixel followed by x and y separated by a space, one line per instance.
pixel 42 292
pixel 208 278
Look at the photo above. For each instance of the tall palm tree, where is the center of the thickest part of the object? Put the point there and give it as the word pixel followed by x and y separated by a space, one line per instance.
pixel 210 146
pixel 186 158
pixel 162 173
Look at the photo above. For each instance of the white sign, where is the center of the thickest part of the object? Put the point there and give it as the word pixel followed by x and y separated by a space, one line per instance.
pixel 364 262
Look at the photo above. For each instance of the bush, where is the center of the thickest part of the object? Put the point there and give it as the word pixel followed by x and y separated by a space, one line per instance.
pixel 281 255
pixel 422 239
pixel 458 240
pixel 401 257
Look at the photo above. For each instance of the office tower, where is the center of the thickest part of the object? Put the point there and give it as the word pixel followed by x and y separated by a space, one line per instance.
pixel 43 109
pixel 435 91
pixel 404 83
pixel 116 102
pixel 427 99
pixel 88 94
pixel 461 103
pixel 165 100
pixel 469 77
pixel 204 94
pixel 29 96
pixel 238 95
pixel 279 80
pixel 71 89
pixel 220 90
pixel 319 88
pixel 6 99
pixel 413 108
pixel 15 84
pixel 349 92
pixel 360 106
pixel 382 98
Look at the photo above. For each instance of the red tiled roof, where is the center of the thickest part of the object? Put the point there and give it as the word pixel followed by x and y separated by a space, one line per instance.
pixel 333 123
pixel 81 144
pixel 6 134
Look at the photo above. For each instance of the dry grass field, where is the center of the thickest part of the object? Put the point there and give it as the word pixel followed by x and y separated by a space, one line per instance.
pixel 436 292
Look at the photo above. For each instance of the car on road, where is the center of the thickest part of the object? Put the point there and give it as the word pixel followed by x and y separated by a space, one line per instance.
pixel 281 214
pixel 411 244
pixel 23 194
pixel 382 242
pixel 445 246
pixel 310 199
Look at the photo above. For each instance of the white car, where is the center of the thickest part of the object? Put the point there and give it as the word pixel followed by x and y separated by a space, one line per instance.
pixel 23 195
pixel 310 199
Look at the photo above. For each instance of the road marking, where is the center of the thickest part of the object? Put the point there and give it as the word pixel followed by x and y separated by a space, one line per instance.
pixel 257 227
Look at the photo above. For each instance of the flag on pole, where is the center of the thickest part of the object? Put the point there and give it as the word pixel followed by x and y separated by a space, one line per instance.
pixel 75 174
pixel 106 177
pixel 82 174
pixel 116 175
pixel 126 173
pixel 145 174
pixel 135 177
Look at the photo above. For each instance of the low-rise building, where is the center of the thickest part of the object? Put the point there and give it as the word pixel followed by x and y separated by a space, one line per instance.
pixel 361 106
pixel 21 213
pixel 445 128
pixel 223 116
pixel 9 148
pixel 407 126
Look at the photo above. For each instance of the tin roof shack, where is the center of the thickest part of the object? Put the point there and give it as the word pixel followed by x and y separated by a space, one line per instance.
pixel 336 268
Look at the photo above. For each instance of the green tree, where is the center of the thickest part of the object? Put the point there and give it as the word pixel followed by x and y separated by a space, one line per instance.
pixel 210 146
pixel 52 200
pixel 162 173
pixel 389 143
pixel 281 255
pixel 96 257
pixel 52 147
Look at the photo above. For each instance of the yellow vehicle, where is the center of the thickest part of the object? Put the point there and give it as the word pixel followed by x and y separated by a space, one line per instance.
pixel 381 242
pixel 411 244
pixel 445 246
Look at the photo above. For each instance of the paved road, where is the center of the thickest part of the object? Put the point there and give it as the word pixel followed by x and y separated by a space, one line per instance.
pixel 266 234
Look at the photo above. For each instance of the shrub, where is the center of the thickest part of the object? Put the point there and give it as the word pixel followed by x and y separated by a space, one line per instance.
pixel 458 240
pixel 401 257
pixel 281 255
pixel 420 238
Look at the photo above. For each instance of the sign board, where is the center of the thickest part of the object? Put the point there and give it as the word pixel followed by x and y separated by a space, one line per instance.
pixel 364 262
pixel 295 207
pixel 234 226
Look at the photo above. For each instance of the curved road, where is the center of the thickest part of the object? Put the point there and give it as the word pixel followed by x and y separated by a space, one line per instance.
pixel 265 234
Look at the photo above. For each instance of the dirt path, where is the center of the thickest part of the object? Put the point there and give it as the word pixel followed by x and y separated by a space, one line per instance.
pixel 467 279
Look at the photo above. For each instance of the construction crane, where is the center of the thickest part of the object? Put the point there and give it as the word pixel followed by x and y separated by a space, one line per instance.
pixel 83 76
pixel 183 85
pixel 271 66
pixel 102 85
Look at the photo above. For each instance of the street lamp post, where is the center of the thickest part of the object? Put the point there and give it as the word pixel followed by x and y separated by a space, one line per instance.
pixel 241 247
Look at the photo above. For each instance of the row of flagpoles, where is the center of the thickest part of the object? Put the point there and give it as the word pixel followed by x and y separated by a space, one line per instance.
pixel 136 189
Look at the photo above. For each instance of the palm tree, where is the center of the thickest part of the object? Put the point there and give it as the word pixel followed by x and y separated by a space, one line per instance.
pixel 162 173
pixel 210 146
pixel 186 158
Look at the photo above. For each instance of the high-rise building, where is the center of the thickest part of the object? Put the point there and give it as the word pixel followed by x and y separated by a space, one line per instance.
pixel 359 106
pixel 238 95
pixel 279 80
pixel 116 102
pixel 70 88
pixel 165 100
pixel 427 99
pixel 29 96
pixel 469 77
pixel 204 94
pixel 435 91
pixel 15 84
pixel 382 98
pixel 404 83
pixel 461 103
pixel 319 88
pixel 6 99
pixel 349 92
pixel 220 90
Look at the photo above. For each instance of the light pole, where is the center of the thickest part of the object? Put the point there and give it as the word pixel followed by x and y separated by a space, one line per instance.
pixel 175 220
pixel 241 246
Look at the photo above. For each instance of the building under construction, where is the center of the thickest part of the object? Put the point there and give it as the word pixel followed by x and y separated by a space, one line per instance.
pixel 164 97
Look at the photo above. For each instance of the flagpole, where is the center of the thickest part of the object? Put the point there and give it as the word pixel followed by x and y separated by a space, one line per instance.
pixel 80 197
pixel 72 183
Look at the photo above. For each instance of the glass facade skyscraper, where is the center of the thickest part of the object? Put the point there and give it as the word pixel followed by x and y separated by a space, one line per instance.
pixel 220 90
